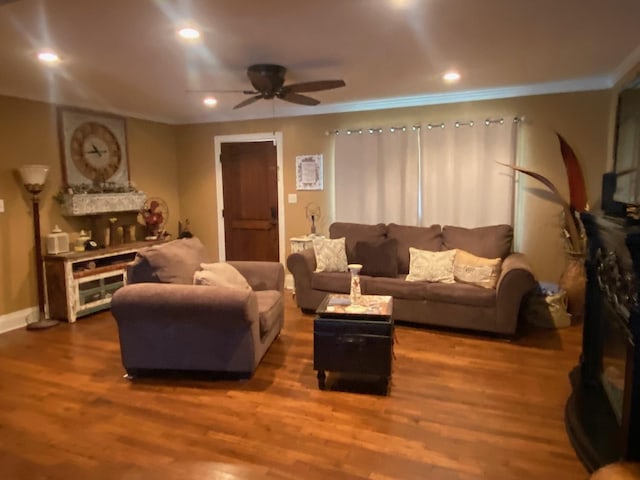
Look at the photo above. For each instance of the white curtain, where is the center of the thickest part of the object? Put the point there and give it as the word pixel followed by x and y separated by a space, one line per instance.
pixel 461 183
pixel 376 177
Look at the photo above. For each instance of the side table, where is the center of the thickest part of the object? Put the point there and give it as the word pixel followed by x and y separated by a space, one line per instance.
pixel 299 244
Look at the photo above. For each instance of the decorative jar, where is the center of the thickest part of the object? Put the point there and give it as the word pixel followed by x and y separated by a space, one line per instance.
pixel 57 241
pixel 81 240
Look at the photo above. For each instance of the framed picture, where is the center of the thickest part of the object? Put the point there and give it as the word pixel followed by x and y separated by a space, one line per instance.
pixel 309 172
pixel 93 147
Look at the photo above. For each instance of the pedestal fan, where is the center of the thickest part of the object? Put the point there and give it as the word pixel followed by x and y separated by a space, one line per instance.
pixel 154 216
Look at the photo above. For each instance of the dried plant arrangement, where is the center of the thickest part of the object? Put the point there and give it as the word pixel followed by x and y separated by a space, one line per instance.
pixel 573 229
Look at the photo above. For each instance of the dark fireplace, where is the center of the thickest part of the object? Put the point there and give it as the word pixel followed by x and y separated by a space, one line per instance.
pixel 616 342
pixel 603 412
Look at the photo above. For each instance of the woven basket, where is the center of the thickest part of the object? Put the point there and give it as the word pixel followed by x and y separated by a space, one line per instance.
pixel 557 304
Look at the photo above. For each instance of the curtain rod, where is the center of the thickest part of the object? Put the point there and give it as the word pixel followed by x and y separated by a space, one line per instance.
pixel 428 126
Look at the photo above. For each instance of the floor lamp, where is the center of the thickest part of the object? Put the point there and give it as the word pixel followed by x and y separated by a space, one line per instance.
pixel 33 178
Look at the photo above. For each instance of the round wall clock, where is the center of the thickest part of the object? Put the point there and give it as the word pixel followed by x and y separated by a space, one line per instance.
pixel 94 148
pixel 95 151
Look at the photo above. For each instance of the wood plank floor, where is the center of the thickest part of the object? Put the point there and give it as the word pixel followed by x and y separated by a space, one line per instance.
pixel 460 407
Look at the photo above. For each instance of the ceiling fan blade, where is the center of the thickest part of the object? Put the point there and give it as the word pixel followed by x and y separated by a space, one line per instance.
pixel 248 101
pixel 299 99
pixel 246 92
pixel 314 86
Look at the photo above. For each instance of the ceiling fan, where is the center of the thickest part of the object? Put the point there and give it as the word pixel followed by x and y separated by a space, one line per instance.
pixel 268 83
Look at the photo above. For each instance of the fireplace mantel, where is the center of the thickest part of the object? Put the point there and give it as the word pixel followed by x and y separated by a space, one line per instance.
pixel 100 203
pixel 602 415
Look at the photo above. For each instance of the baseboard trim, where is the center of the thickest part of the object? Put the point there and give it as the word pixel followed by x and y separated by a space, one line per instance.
pixel 288 281
pixel 15 320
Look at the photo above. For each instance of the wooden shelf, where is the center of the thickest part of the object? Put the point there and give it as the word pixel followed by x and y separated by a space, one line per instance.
pixel 94 271
pixel 81 204
pixel 102 252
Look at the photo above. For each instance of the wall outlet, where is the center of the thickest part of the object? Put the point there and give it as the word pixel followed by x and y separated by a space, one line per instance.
pixel 293 198
pixel 1 206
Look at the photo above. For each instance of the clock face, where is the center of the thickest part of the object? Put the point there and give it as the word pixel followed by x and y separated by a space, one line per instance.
pixel 95 151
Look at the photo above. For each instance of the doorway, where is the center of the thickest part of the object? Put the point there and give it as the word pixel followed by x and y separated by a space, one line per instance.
pixel 250 192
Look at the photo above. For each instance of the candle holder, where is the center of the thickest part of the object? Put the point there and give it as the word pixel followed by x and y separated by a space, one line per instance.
pixel 355 291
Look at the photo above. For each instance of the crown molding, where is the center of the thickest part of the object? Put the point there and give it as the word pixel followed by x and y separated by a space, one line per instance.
pixel 628 64
pixel 602 82
pixel 565 86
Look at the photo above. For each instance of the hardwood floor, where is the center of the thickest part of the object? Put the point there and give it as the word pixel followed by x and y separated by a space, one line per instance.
pixel 460 407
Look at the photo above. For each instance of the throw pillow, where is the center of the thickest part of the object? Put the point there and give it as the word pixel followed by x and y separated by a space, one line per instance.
pixel 330 254
pixel 468 268
pixel 424 238
pixel 356 232
pixel 431 266
pixel 220 275
pixel 171 262
pixel 488 242
pixel 378 258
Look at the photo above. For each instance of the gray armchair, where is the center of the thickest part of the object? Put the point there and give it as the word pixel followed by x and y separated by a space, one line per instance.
pixel 181 326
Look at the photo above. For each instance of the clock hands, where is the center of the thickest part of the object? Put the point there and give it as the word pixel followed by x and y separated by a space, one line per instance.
pixel 96 151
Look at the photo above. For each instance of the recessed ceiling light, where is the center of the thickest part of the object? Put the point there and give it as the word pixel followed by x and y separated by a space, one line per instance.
pixel 48 57
pixel 210 102
pixel 402 4
pixel 451 76
pixel 189 33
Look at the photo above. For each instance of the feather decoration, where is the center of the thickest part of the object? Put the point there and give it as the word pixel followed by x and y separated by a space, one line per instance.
pixel 577 190
pixel 573 227
pixel 577 194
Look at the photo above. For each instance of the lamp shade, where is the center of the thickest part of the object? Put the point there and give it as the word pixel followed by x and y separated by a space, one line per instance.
pixel 34 174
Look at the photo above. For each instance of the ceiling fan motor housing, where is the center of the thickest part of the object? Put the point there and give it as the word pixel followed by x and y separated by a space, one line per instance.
pixel 267 78
pixel 268 81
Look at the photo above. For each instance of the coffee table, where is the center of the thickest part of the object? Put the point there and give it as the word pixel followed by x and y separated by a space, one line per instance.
pixel 353 338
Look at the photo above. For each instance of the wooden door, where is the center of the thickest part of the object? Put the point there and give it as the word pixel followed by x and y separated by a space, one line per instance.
pixel 250 195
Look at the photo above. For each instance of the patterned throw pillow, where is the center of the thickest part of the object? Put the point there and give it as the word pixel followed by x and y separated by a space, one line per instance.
pixel 331 255
pixel 484 272
pixel 431 266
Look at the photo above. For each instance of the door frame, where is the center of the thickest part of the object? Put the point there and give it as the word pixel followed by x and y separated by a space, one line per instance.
pixel 276 138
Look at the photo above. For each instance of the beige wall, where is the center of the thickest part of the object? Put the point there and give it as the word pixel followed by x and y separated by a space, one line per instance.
pixel 153 167
pixel 582 118
pixel 177 164
pixel 28 134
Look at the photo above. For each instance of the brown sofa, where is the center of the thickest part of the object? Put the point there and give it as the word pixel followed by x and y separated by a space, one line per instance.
pixel 165 322
pixel 457 305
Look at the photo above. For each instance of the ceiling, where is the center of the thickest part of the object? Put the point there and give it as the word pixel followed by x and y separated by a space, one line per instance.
pixel 124 56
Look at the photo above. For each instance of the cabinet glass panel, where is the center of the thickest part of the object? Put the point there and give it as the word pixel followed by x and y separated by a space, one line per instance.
pixel 95 290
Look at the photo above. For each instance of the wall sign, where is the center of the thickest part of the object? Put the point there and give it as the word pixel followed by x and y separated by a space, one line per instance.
pixel 309 172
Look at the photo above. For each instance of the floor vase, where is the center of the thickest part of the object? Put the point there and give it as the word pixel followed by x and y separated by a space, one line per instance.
pixel 573 281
